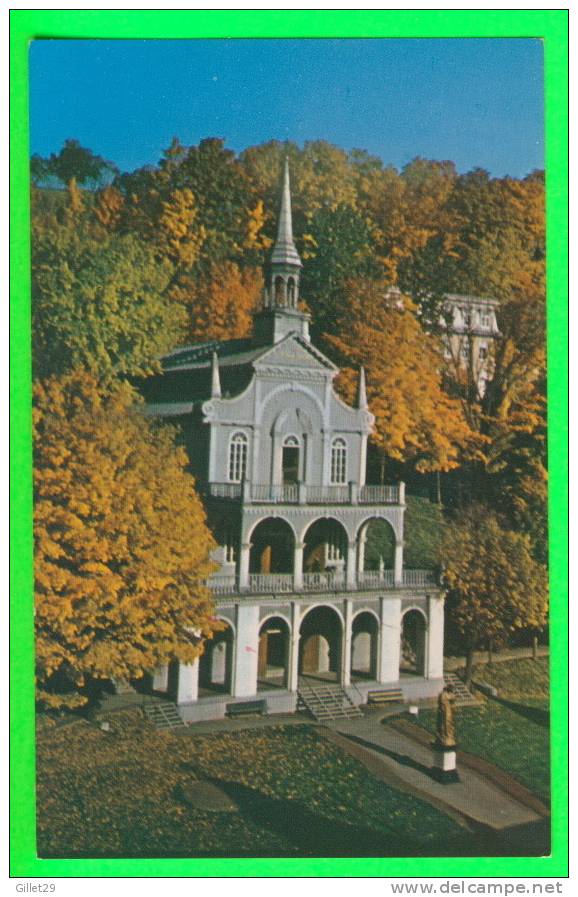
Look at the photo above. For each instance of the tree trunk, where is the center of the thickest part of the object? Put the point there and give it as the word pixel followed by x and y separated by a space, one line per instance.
pixel 382 471
pixel 469 665
pixel 534 647
pixel 490 652
pixel 438 488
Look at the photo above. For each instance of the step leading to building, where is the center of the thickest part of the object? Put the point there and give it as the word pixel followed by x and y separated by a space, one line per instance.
pixel 327 702
pixel 463 695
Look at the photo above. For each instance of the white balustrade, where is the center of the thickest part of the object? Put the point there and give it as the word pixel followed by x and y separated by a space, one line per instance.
pixel 294 493
pixel 270 582
pixel 320 581
pixel 323 581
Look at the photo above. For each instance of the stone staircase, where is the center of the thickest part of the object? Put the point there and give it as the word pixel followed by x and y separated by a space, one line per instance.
pixel 463 695
pixel 326 702
pixel 163 715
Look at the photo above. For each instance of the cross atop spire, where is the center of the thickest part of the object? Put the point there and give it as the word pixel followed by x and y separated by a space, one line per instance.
pixel 284 251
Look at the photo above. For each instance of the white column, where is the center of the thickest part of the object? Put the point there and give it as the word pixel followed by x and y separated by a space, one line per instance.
pixel 244 556
pixel 298 565
pixel 213 439
pixel 389 644
pixel 434 668
pixel 293 676
pixel 346 643
pixel 351 573
pixel 246 653
pixel 161 678
pixel 188 682
pixel 362 459
pixel 361 551
pixel 398 563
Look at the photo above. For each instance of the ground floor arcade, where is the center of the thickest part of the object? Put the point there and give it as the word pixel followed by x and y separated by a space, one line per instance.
pixel 265 649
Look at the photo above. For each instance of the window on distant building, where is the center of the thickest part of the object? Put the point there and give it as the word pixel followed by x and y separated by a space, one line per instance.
pixel 483 352
pixel 465 350
pixel 238 458
pixel 485 317
pixel 339 461
pixel 467 316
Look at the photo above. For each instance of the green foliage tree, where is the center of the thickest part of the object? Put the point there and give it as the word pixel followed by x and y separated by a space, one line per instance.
pixel 120 589
pixel 496 587
pixel 74 163
pixel 99 300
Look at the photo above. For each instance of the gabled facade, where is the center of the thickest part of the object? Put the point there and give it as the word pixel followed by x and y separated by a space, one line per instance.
pixel 311 582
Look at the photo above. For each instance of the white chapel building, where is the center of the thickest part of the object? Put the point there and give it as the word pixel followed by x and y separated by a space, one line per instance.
pixel 311 583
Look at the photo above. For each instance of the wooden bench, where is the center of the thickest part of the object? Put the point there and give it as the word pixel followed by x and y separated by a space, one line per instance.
pixel 385 696
pixel 247 708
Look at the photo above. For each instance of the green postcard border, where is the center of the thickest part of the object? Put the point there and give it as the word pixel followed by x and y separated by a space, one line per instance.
pixel 549 25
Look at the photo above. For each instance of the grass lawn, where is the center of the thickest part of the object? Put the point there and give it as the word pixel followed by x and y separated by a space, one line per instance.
pixel 512 731
pixel 119 794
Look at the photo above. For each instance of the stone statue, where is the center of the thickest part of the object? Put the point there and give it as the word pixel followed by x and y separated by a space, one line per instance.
pixel 446 732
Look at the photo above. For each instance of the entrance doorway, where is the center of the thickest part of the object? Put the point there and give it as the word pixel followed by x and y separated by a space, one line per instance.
pixel 320 644
pixel 290 461
pixel 273 653
pixel 413 634
pixel 216 663
pixel 364 647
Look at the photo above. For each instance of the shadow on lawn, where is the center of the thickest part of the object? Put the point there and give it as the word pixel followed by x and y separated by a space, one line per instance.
pixel 534 714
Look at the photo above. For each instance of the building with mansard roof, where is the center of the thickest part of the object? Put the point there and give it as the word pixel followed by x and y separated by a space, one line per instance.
pixel 319 609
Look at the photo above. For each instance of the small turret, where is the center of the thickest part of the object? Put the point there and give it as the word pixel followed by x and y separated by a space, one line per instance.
pixel 215 378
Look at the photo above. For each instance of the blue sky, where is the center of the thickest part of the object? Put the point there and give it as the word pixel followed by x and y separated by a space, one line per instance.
pixel 478 102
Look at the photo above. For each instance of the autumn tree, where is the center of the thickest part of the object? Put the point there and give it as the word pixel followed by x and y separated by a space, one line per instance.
pixel 120 589
pixel 416 421
pixel 496 587
pixel 219 302
pixel 100 300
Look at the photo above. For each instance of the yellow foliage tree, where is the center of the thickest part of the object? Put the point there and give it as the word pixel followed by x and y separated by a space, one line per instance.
pixel 220 302
pixel 122 546
pixel 495 585
pixel 415 419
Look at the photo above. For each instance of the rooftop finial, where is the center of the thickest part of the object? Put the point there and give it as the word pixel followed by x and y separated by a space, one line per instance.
pixel 361 391
pixel 215 378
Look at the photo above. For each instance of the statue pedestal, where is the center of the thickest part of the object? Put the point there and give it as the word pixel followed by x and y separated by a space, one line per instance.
pixel 444 765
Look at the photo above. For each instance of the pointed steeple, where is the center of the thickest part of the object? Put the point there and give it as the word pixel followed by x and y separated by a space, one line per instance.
pixel 361 392
pixel 280 313
pixel 284 251
pixel 215 378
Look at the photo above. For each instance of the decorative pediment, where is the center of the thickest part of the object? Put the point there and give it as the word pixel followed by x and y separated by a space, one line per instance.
pixel 294 352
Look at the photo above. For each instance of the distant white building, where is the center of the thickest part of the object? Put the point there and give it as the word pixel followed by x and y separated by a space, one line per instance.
pixel 471 329
pixel 311 583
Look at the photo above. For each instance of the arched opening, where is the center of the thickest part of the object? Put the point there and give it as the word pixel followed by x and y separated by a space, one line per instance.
pixel 290 460
pixel 413 635
pixel 291 293
pixel 376 551
pixel 320 644
pixel 324 553
pixel 279 291
pixel 273 653
pixel 216 663
pixel 364 647
pixel 272 547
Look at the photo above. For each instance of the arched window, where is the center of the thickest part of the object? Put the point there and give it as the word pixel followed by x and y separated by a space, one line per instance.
pixel 291 293
pixel 279 291
pixel 339 461
pixel 237 458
